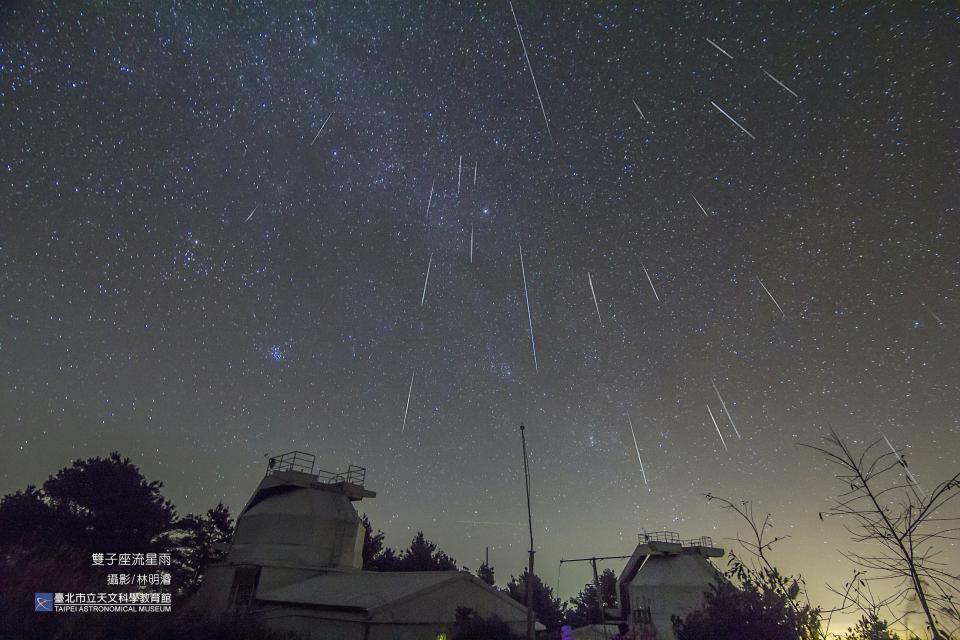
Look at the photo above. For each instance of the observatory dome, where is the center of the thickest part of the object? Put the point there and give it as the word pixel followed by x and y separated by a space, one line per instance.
pixel 295 520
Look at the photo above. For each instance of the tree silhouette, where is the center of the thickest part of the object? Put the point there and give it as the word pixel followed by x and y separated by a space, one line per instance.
pixel 106 505
pixel 377 556
pixel 903 527
pixel 423 555
pixel 583 607
pixel 549 610
pixel 870 628
pixel 760 580
pixel 485 573
pixel 99 505
pixel 112 504
pixel 372 542
pixel 199 540
pixel 748 613
pixel 27 519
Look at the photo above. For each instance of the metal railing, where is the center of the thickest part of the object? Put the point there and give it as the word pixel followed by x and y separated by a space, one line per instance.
pixel 702 541
pixel 353 475
pixel 674 538
pixel 292 461
pixel 304 463
pixel 660 536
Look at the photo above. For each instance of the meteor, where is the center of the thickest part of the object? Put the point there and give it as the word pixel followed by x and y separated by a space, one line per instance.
pixel 533 77
pixel 732 120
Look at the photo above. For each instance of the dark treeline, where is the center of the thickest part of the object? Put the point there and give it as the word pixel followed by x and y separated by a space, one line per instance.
pixel 48 536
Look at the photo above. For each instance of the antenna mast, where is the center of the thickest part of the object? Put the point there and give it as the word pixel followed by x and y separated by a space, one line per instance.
pixel 526 477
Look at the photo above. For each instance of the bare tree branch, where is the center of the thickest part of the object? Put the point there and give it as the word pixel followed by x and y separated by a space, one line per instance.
pixel 903 524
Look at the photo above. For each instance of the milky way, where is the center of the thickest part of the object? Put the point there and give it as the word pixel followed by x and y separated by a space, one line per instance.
pixel 146 309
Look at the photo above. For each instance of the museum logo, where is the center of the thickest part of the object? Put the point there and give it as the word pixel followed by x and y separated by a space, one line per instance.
pixel 43 602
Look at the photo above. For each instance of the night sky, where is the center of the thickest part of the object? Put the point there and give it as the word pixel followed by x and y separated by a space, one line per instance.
pixel 145 310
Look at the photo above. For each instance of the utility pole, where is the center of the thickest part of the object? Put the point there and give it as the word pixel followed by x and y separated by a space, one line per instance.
pixel 596 583
pixel 526 477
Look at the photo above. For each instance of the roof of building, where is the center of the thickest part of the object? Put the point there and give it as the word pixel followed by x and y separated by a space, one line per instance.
pixel 293 519
pixel 650 549
pixel 370 591
pixel 367 590
pixel 683 570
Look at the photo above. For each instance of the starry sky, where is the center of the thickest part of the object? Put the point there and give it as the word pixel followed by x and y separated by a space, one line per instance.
pixel 216 222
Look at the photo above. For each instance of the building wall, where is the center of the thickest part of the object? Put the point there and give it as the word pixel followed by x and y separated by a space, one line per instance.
pixel 319 625
pixel 313 625
pixel 214 592
pixel 418 618
pixel 439 607
pixel 665 602
pixel 409 631
pixel 299 527
pixel 671 585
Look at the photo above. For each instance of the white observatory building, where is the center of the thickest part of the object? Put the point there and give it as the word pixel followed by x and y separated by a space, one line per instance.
pixel 295 564
pixel 665 577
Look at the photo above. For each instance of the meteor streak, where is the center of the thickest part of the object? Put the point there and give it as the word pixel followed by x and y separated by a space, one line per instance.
pixel 644 473
pixel 500 524
pixel 321 128
pixel 724 405
pixel 426 279
pixel 700 205
pixel 407 408
pixel 533 344
pixel 590 279
pixel 650 281
pixel 779 83
pixel 771 296
pixel 903 464
pixel 724 442
pixel 732 120
pixel 719 49
pixel 530 67
pixel 430 200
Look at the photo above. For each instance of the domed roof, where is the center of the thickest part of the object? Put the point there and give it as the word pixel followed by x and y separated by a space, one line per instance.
pixel 680 570
pixel 293 520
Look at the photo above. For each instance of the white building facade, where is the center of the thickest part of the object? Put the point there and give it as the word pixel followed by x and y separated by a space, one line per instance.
pixel 665 577
pixel 295 564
